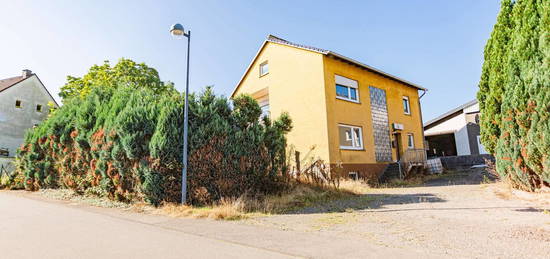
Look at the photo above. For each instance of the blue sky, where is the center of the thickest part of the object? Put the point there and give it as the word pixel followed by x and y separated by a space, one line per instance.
pixel 437 44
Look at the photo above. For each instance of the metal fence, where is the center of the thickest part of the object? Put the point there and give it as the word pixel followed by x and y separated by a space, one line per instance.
pixel 6 166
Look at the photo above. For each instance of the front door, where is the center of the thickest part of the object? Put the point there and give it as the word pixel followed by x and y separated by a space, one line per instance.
pixel 397 141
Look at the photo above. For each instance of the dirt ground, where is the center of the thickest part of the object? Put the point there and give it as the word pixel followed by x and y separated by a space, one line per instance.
pixel 461 214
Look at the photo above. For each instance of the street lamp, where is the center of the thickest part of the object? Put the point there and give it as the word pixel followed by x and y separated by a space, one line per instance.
pixel 178 32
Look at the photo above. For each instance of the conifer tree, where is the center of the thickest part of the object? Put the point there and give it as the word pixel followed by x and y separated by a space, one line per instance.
pixel 514 93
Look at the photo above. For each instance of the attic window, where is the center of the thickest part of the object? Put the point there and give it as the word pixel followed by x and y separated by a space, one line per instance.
pixel 17 103
pixel 264 68
pixel 39 108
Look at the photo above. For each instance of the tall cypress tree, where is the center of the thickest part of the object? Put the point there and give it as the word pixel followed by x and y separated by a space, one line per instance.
pixel 493 77
pixel 514 93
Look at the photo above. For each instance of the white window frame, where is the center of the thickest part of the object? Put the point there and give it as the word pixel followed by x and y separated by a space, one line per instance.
pixel 353 139
pixel 347 83
pixel 408 106
pixel 265 63
pixel 354 175
pixel 410 140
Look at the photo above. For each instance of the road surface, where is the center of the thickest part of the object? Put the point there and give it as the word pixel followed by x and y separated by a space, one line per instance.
pixel 35 227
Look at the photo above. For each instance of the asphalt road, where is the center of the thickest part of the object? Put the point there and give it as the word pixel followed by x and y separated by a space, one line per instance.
pixel 31 228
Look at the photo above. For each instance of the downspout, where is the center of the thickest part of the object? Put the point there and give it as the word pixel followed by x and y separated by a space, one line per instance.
pixel 422 121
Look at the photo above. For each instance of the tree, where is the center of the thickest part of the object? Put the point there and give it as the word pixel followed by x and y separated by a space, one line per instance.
pixel 514 93
pixel 125 73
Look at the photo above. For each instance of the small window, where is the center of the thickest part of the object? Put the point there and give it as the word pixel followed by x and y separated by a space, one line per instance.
pixel 346 89
pixel 410 141
pixel 265 110
pixel 264 68
pixel 351 137
pixel 406 105
pixel 18 104
pixel 353 176
pixel 39 108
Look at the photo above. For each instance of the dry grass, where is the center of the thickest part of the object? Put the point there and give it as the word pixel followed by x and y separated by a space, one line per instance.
pixel 300 195
pixel 224 210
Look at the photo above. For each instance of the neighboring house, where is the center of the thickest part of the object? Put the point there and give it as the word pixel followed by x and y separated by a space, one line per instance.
pixel 351 113
pixel 455 133
pixel 23 104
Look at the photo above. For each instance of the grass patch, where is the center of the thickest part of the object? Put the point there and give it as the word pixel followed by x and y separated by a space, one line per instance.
pixel 70 195
pixel 298 196
pixel 413 181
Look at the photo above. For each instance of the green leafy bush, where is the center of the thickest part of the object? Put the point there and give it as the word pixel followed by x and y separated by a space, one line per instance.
pixel 126 143
pixel 514 93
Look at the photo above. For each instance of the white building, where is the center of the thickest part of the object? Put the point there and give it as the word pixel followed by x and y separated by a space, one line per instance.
pixel 23 104
pixel 455 132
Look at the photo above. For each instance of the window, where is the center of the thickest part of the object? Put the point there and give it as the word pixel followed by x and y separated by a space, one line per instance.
pixel 265 110
pixel 39 108
pixel 264 68
pixel 406 105
pixel 351 137
pixel 410 141
pixel 18 104
pixel 353 176
pixel 346 89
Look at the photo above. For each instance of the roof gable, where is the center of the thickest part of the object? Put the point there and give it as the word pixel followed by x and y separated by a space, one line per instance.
pixel 274 39
pixel 14 81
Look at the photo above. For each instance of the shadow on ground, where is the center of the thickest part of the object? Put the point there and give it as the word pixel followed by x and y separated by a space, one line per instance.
pixel 369 201
pixel 462 177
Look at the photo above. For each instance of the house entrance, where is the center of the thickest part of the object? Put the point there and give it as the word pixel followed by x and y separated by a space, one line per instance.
pixel 397 145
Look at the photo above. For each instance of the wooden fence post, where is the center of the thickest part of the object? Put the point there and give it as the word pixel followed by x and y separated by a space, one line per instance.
pixel 298 168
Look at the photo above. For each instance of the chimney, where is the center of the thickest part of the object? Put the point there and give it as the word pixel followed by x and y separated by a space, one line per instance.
pixel 26 73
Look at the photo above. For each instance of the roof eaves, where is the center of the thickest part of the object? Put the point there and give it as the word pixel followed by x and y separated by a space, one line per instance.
pixel 249 67
pixel 376 70
pixel 15 81
pixel 449 113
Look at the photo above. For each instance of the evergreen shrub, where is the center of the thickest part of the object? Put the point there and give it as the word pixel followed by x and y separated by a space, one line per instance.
pixel 126 143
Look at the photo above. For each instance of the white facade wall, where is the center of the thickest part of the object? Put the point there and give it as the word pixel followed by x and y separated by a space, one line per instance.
pixel 15 121
pixel 462 142
pixel 449 126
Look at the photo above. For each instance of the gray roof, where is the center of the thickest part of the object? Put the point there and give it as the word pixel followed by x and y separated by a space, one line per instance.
pixel 275 39
pixel 449 113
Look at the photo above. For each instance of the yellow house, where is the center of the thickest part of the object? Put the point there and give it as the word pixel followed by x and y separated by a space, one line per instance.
pixel 343 111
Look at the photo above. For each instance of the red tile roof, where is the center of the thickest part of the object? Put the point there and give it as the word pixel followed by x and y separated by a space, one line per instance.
pixel 8 82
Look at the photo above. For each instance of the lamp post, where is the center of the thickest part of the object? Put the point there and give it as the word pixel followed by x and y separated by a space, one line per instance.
pixel 177 31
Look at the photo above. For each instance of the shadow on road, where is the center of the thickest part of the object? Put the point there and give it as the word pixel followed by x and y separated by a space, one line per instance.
pixel 369 201
pixel 461 177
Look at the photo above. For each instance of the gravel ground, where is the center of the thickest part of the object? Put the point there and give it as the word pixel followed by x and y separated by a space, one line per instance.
pixel 461 214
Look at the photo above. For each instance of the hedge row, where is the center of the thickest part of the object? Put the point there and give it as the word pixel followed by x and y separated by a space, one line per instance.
pixel 126 143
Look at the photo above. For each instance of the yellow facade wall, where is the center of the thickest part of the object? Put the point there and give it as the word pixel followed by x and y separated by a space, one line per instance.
pixel 359 114
pixel 302 83
pixel 294 84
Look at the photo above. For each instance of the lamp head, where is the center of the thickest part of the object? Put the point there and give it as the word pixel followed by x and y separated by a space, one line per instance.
pixel 177 30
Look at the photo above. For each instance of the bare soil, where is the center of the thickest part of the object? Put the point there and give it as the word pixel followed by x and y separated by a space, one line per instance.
pixel 459 214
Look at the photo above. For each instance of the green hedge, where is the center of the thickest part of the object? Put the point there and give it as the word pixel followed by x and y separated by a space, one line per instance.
pixel 126 143
pixel 514 93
